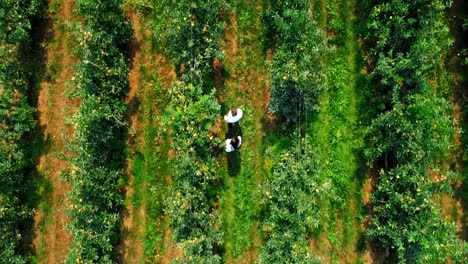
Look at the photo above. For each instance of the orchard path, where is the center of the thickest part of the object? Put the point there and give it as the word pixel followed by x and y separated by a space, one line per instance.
pixel 130 249
pixel 337 133
pixel 243 85
pixel 146 236
pixel 51 238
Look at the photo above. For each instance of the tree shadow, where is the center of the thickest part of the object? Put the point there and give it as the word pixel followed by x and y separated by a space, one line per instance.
pixel 126 149
pixel 37 194
pixel 36 191
pixel 132 111
pixel 459 67
pixel 218 76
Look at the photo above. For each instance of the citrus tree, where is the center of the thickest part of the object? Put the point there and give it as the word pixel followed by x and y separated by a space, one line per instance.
pixel 412 138
pixel 190 32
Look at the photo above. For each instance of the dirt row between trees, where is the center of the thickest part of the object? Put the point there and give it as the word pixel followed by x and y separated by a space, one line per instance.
pixel 130 249
pixel 144 237
pixel 51 238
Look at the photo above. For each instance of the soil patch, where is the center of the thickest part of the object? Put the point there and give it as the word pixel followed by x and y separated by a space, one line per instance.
pixel 147 69
pixel 51 236
pixel 130 249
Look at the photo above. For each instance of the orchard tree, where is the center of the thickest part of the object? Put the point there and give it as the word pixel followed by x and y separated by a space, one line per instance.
pixel 296 70
pixel 291 197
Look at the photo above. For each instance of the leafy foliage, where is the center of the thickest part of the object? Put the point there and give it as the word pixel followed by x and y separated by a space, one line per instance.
pixel 16 123
pixel 190 115
pixel 106 16
pixel 291 197
pixel 412 136
pixel 15 21
pixel 417 131
pixel 100 82
pixel 296 71
pixel 409 41
pixel 407 220
pixel 191 32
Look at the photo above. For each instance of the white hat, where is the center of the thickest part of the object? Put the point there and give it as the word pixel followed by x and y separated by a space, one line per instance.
pixel 232 119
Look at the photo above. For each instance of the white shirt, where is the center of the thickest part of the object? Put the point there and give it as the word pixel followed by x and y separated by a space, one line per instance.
pixel 229 147
pixel 232 119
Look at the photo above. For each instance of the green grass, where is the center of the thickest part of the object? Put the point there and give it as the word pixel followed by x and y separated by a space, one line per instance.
pixel 338 133
pixel 39 190
pixel 54 7
pixel 149 168
pixel 45 191
pixel 240 194
pixel 238 199
pixel 38 195
pixel 148 155
pixel 53 69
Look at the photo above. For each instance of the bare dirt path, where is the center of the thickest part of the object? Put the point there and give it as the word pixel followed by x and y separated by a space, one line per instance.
pixel 51 237
pixel 146 236
pixel 130 249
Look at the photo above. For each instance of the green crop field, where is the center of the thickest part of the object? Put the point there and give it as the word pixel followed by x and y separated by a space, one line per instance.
pixel 353 135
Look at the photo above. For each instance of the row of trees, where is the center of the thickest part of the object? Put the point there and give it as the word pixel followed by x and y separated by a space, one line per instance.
pixel 96 167
pixel 296 70
pixel 190 207
pixel 16 123
pixel 292 194
pixel 191 36
pixel 291 197
pixel 412 138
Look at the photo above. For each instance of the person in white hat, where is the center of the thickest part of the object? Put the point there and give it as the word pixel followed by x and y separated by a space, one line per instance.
pixel 233 143
pixel 233 116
